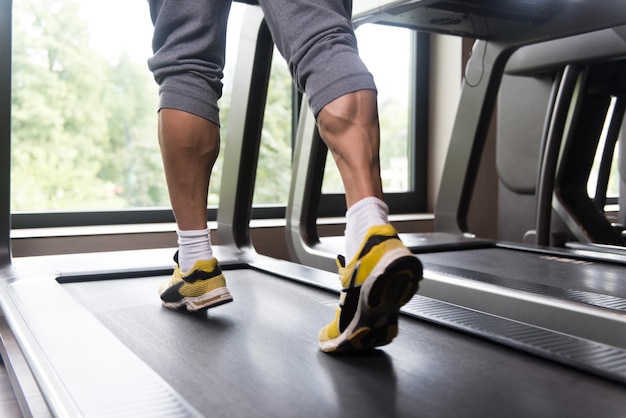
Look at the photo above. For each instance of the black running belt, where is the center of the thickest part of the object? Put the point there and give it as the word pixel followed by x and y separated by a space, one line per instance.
pixel 583 354
pixel 590 356
pixel 580 296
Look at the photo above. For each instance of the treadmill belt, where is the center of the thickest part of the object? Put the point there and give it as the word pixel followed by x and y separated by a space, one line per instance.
pixel 258 356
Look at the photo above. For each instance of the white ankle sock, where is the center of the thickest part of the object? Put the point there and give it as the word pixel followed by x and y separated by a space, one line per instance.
pixel 193 246
pixel 364 214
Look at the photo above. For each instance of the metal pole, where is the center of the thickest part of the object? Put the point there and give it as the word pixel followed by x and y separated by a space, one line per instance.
pixel 5 130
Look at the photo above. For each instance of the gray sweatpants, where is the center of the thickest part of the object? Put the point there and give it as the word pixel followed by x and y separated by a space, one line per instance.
pixel 316 38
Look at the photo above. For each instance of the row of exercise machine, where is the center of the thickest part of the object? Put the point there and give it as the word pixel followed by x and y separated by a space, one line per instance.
pixel 530 325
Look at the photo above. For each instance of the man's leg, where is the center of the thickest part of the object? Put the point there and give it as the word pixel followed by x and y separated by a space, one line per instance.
pixel 349 127
pixel 189 147
pixel 381 274
pixel 189 46
pixel 317 39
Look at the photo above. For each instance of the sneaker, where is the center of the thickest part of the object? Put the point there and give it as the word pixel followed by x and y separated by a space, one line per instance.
pixel 203 287
pixel 376 284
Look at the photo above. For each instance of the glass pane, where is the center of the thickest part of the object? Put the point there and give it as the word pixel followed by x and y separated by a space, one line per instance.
pixel 84 107
pixel 232 43
pixel 613 182
pixel 386 50
pixel 274 166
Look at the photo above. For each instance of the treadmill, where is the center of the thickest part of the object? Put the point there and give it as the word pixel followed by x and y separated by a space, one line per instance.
pixel 502 28
pixel 86 335
pixel 539 284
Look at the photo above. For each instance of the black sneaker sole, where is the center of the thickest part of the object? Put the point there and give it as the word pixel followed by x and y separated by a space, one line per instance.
pixel 377 320
pixel 186 305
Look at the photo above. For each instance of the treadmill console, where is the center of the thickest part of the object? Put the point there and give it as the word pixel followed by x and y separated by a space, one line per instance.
pixel 481 19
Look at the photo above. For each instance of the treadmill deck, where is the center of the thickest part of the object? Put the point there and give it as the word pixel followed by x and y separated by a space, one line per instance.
pixel 258 356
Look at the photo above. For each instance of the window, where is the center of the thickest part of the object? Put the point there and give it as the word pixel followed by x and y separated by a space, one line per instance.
pixel 274 166
pixel 84 145
pixel 84 115
pixel 386 52
pixel 604 176
pixel 83 108
pixel 397 58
